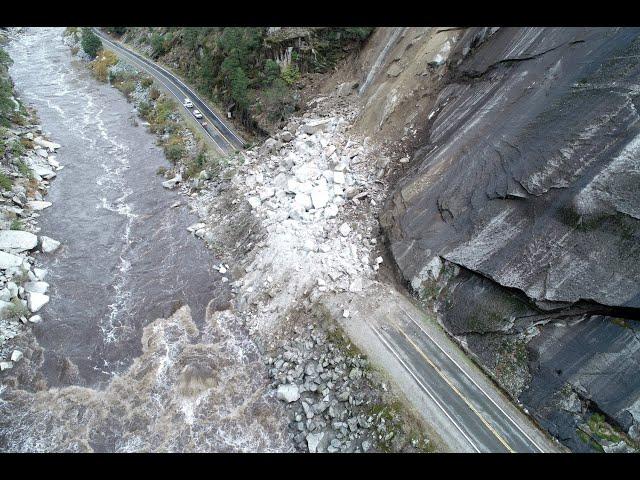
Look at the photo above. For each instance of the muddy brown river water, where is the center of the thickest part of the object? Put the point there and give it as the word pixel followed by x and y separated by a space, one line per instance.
pixel 126 260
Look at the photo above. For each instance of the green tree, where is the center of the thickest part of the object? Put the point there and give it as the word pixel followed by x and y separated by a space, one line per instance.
pixel 7 105
pixel 90 42
pixel 117 30
pixel 271 71
pixel 157 44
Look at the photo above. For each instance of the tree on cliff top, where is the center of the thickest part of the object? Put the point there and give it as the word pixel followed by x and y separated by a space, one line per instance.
pixel 90 42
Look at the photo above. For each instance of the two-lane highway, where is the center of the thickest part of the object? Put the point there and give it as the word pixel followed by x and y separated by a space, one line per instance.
pixel 461 407
pixel 470 409
pixel 222 135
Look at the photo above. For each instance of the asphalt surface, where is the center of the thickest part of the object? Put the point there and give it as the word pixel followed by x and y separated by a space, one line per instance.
pixel 485 426
pixel 223 136
pixel 470 409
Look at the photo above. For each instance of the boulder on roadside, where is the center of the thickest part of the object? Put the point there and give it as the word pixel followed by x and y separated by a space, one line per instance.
pixel 288 393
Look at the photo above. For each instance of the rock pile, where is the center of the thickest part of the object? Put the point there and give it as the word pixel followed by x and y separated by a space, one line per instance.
pixel 335 400
pixel 314 190
pixel 28 165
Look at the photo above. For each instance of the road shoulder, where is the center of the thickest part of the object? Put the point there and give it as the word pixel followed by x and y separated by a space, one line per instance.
pixel 382 305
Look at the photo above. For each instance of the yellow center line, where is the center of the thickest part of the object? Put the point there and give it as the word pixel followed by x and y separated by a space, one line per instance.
pixel 141 65
pixel 428 360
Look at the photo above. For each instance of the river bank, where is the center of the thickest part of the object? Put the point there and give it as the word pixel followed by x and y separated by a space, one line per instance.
pixel 118 367
pixel 28 165
pixel 251 209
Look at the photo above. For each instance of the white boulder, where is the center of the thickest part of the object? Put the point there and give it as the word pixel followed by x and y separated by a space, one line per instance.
pixel 331 211
pixel 304 200
pixel 288 393
pixel 319 197
pixel 38 204
pixel 8 260
pixel 17 240
pixel 48 244
pixel 35 301
pixel 46 144
pixel 254 202
pixel 40 273
pixel 172 183
pixel 37 287
pixel 315 126
pixel 315 441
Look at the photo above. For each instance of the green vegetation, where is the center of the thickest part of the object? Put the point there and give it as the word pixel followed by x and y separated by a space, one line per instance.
pixel 7 104
pixel 601 429
pixel 117 30
pixel 174 149
pixel 236 67
pixel 16 225
pixel 5 182
pixel 102 63
pixel 16 310
pixel 24 169
pixel 90 42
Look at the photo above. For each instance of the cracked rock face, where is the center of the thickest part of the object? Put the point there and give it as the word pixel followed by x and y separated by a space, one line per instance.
pixel 530 176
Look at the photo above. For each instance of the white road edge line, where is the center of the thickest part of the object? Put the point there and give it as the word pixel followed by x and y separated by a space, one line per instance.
pixel 132 58
pixel 472 380
pixel 186 87
pixel 395 354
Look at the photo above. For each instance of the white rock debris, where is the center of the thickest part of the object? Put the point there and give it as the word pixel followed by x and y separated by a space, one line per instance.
pixel 22 289
pixel 316 207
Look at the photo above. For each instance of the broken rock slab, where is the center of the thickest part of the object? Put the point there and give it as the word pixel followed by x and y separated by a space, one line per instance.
pixel 315 126
pixel 35 301
pixel 8 260
pixel 48 244
pixel 17 240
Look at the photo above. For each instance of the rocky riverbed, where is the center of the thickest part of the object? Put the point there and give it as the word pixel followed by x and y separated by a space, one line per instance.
pixel 28 166
pixel 288 222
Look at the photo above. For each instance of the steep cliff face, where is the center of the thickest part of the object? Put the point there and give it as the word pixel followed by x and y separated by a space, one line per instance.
pixel 526 189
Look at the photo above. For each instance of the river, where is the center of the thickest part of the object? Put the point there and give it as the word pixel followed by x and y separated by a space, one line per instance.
pixel 126 260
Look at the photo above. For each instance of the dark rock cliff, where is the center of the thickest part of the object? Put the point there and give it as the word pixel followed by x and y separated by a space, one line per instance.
pixel 528 190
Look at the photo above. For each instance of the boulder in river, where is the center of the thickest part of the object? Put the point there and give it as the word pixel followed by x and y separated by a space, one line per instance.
pixel 48 244
pixel 38 204
pixel 35 301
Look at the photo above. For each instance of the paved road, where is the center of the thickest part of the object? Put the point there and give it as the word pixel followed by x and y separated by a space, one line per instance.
pixel 480 420
pixel 224 137
pixel 457 401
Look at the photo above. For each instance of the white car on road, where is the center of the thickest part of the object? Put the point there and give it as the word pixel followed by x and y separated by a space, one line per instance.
pixel 187 103
pixel 197 114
